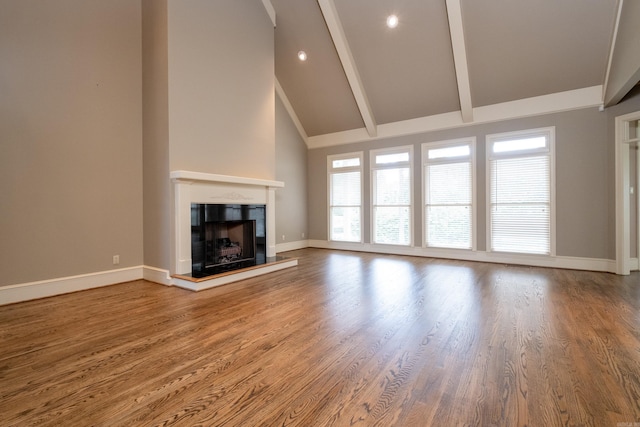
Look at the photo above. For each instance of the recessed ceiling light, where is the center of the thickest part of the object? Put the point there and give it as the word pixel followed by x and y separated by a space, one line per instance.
pixel 302 55
pixel 392 21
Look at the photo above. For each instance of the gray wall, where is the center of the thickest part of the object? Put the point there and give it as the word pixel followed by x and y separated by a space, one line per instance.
pixel 291 168
pixel 208 101
pixel 221 88
pixel 83 174
pixel 155 143
pixel 585 178
pixel 70 126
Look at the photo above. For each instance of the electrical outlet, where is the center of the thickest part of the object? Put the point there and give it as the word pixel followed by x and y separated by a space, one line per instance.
pixel 283 237
pixel 116 259
pixel 303 235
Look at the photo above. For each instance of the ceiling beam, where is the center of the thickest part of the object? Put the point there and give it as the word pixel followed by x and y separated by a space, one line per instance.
pixel 577 99
pixel 623 67
pixel 336 31
pixel 612 48
pixel 454 13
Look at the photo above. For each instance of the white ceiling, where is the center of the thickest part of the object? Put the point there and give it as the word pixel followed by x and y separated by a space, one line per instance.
pixel 448 63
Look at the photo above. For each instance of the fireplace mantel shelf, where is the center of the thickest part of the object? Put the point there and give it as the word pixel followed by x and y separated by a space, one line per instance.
pixel 182 175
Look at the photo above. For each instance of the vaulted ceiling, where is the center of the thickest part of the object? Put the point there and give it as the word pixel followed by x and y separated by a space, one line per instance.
pixel 447 63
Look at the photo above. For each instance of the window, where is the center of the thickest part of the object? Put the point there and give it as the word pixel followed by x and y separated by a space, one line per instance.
pixel 449 192
pixel 521 191
pixel 391 195
pixel 345 197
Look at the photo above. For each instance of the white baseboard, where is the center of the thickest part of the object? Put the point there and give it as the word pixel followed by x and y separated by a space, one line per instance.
pixel 292 246
pixel 48 288
pixel 635 264
pixel 157 275
pixel 571 263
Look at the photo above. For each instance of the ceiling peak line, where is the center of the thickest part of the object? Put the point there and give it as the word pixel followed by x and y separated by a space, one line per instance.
pixel 292 113
pixel 270 10
pixel 456 30
pixel 336 31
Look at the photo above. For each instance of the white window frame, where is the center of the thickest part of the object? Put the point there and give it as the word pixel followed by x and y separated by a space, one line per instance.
pixel 471 142
pixel 627 134
pixel 331 170
pixel 373 167
pixel 549 149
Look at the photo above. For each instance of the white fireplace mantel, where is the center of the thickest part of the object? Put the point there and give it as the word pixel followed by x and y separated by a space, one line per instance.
pixel 197 187
pixel 211 177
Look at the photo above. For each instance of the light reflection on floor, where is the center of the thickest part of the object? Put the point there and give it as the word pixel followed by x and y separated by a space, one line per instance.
pixel 392 288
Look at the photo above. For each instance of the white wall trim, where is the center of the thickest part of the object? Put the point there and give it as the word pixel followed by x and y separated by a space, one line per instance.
pixel 623 203
pixel 291 246
pixel 48 288
pixel 553 103
pixel 157 275
pixel 63 285
pixel 564 262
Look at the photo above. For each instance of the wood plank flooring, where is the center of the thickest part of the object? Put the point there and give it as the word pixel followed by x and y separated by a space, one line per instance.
pixel 343 339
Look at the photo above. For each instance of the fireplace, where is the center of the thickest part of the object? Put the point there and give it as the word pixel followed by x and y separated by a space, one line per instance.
pixel 204 255
pixel 226 237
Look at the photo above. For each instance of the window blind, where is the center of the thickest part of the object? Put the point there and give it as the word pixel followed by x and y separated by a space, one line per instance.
pixel 345 205
pixel 520 198
pixel 448 210
pixel 392 206
pixel 345 189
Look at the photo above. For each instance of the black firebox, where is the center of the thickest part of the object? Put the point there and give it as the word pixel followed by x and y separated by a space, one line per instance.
pixel 226 237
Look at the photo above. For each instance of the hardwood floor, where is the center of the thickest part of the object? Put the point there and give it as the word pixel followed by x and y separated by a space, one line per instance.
pixel 344 339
